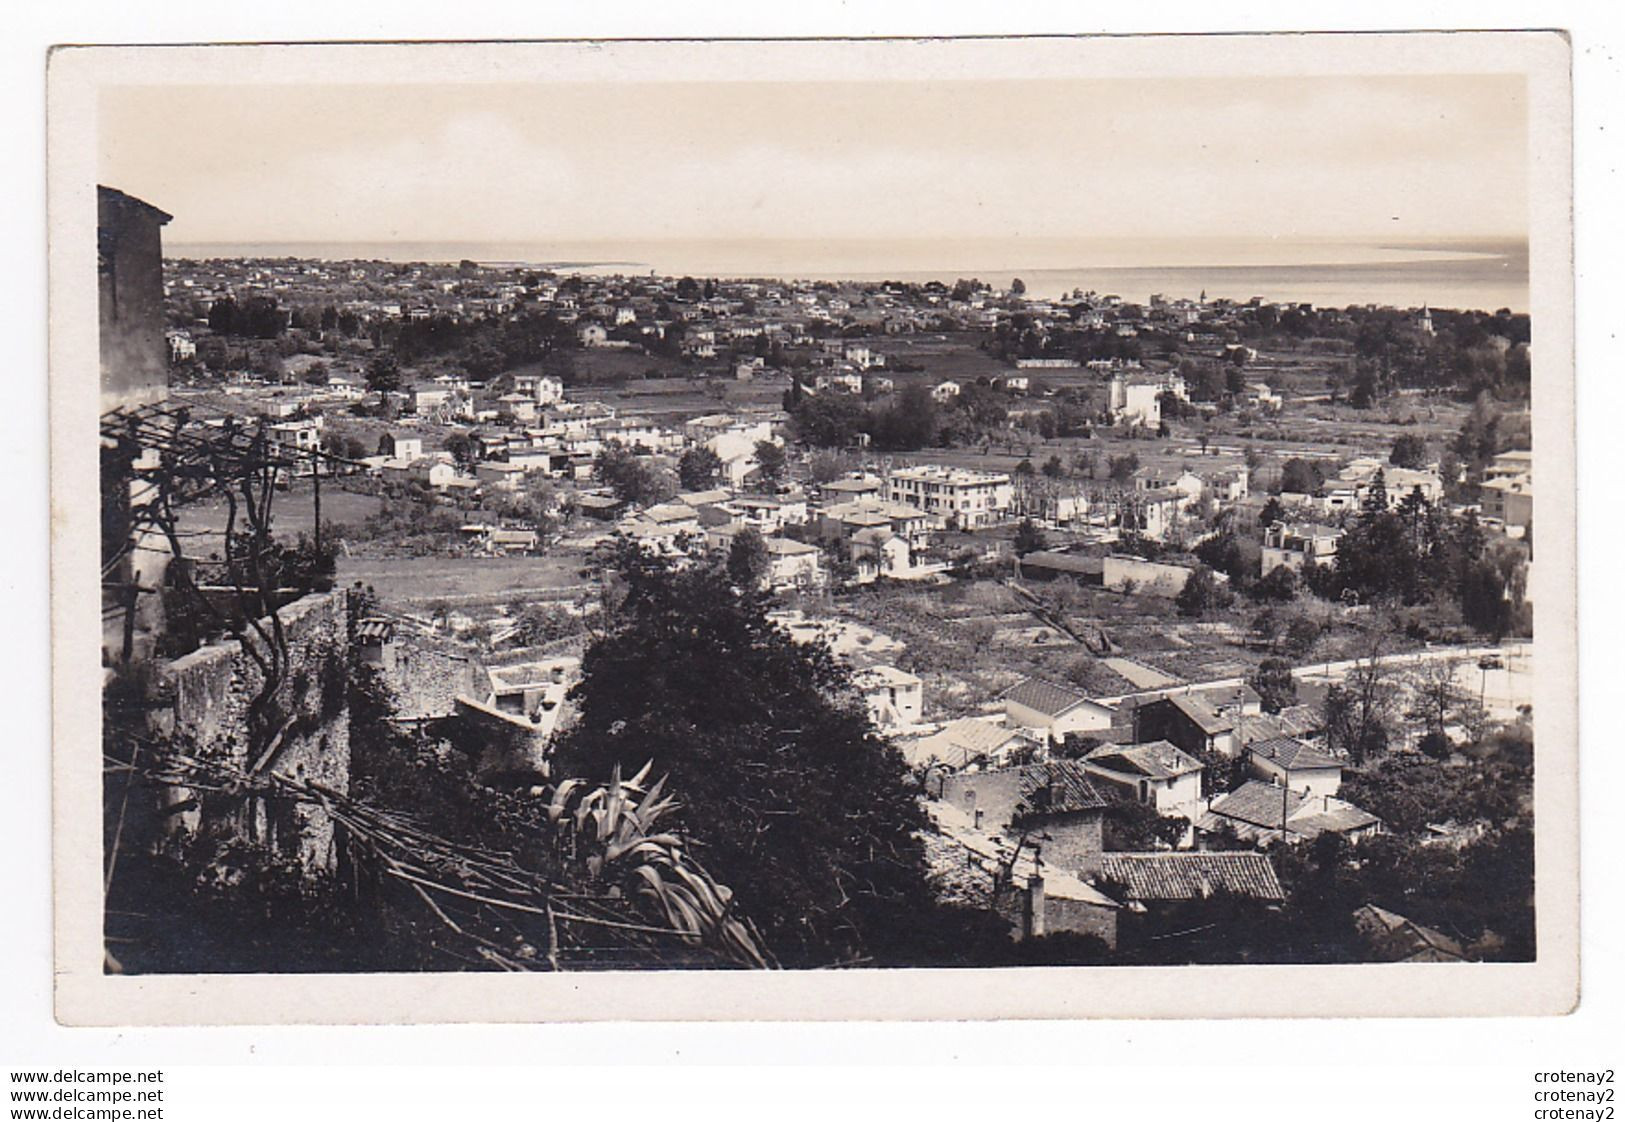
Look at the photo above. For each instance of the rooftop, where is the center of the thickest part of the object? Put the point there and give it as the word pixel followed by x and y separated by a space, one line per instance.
pixel 1058 787
pixel 940 473
pixel 1045 697
pixel 958 743
pixel 1156 760
pixel 1192 876
pixel 1292 754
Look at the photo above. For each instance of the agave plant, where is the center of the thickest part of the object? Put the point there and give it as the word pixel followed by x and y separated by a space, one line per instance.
pixel 611 830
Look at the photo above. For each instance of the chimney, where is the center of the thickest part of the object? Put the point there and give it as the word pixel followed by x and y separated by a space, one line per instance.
pixel 979 813
pixel 1033 919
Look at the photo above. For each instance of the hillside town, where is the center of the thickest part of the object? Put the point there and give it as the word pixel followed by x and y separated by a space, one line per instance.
pixel 1185 631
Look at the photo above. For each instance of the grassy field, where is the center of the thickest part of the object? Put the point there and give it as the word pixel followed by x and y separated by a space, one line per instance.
pixel 292 513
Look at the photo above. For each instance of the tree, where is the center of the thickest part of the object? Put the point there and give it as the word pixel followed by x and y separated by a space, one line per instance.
pixel 788 792
pixel 1358 712
pixel 384 373
pixel 1018 287
pixel 1131 826
pixel 1120 469
pixel 698 469
pixel 1029 538
pixel 770 463
pixel 1053 467
pixel 632 478
pixel 1279 584
pixel 1025 468
pixel 461 448
pixel 826 467
pixel 1301 477
pixel 1203 593
pixel 1276 687
pixel 749 566
pixel 1303 634
pixel 1409 451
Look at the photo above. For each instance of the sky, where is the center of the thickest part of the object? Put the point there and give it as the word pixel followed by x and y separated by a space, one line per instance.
pixel 1382 157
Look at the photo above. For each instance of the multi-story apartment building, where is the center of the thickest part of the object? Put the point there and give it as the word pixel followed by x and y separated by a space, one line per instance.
pixel 959 496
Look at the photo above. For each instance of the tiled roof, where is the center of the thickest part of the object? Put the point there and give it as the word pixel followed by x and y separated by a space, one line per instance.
pixel 1046 697
pixel 1203 715
pixel 1294 720
pixel 1398 939
pixel 957 743
pixel 1291 754
pixel 1058 787
pixel 1157 760
pixel 1222 697
pixel 1192 876
pixel 375 630
pixel 1253 810
pixel 1339 818
pixel 1258 804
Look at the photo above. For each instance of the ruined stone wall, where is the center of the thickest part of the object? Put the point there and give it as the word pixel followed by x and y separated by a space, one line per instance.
pixel 212 690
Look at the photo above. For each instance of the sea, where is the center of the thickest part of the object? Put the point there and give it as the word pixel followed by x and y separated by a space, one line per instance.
pixel 1469 274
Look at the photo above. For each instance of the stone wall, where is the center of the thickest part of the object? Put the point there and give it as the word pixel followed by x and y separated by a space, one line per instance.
pixel 429 676
pixel 212 690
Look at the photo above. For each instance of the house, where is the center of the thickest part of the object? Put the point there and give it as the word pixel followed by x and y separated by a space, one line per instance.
pixel 676 517
pixel 501 540
pixel 1393 938
pixel 852 488
pixel 541 388
pixel 961 497
pixel 944 392
pixel 436 474
pixel 1157 774
pixel 499 476
pixel 1259 395
pixel 1150 879
pixel 592 335
pixel 894 697
pixel 1053 712
pixel 973 867
pixel 793 564
pixel 844 520
pixel 849 381
pixel 1297 545
pixel 1509 501
pixel 1294 764
pixel 1189 722
pixel 1053 803
pixel 1135 402
pixel 1298 721
pixel 1151 514
pixel 296 437
pixel 400 447
pixel 966 741
pixel 605 508
pixel 1262 813
pixel 700 499
pixel 521 407
pixel 1229 485
pixel 879 552
pixel 1511 465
